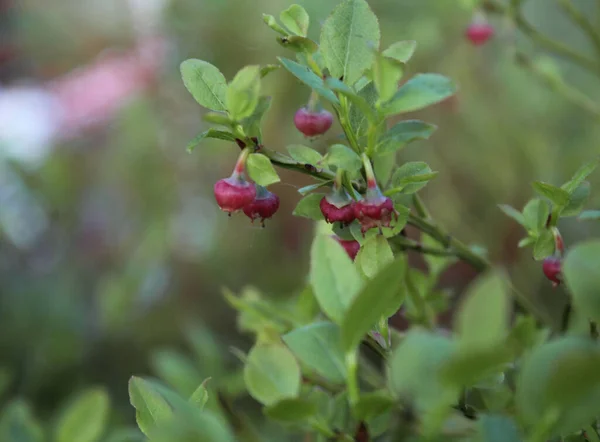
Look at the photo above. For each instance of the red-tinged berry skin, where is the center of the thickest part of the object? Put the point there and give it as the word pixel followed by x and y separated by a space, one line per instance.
pixel 374 213
pixel 479 33
pixel 263 207
pixel 552 268
pixel 350 246
pixel 332 213
pixel 312 124
pixel 234 193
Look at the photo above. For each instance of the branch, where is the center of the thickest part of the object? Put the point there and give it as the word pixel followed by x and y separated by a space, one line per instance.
pixel 581 20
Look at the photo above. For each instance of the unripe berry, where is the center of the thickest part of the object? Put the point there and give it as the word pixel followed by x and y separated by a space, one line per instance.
pixel 350 246
pixel 479 32
pixel 264 206
pixel 233 193
pixel 334 213
pixel 312 123
pixel 552 268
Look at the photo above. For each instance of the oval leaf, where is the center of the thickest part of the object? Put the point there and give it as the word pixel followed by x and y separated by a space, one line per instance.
pixel 151 409
pixel 419 92
pixel 84 420
pixel 403 133
pixel 304 155
pixel 581 274
pixel 261 170
pixel 243 93
pixel 296 19
pixel 401 50
pixel 308 77
pixel 308 207
pixel 205 82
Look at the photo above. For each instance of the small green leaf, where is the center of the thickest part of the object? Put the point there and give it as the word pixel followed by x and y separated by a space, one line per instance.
pixel 210 133
pixel 401 50
pixel 271 374
pixel 544 245
pixel 175 369
pixel 499 429
pixel 308 77
pixel 412 176
pixel 526 242
pixel 386 75
pixel 151 409
pixel 558 196
pixel 343 157
pixel 252 124
pixel 318 346
pixel 373 404
pixel 200 395
pixel 307 189
pixel 309 207
pixel 205 427
pixel 577 200
pixel 84 420
pixel 17 423
pixel 205 82
pixel 126 435
pixel 261 170
pixel 291 410
pixel 580 270
pixel 243 93
pixel 513 213
pixel 536 214
pixel 360 115
pixel 296 19
pixel 589 215
pixel 304 155
pixel 267 69
pixel 467 367
pixel 403 133
pixel 298 44
pixel 334 278
pixel 583 172
pixel 383 166
pixel 374 255
pixel 272 23
pixel 348 38
pixel 419 92
pixel 217 118
pixel 381 297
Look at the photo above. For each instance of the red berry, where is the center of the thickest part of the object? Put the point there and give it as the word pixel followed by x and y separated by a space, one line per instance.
pixel 479 33
pixel 233 193
pixel 264 206
pixel 374 211
pixel 350 246
pixel 552 269
pixel 313 123
pixel 333 213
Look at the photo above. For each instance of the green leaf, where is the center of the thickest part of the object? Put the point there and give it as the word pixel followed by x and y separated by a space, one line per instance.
pixel 577 200
pixel 200 395
pixel 298 44
pixel 386 75
pixel 348 37
pixel 419 92
pixel 252 124
pixel 482 321
pixel 151 408
pixel 291 410
pixel 374 255
pixel 357 99
pixel 271 374
pixel 359 118
pixel 217 118
pixel 176 369
pixel 373 404
pixel 526 242
pixel 401 50
pixel 308 77
pixel 261 170
pixel 205 82
pixel 467 367
pixel 272 23
pixel 307 189
pixel 17 423
pixel 267 69
pixel 126 435
pixel 334 278
pixel 496 428
pixel 403 133
pixel 513 213
pixel 555 194
pixel 296 19
pixel 343 157
pixel 210 133
pixel 309 207
pixel 383 166
pixel 580 270
pixel 381 297
pixel 583 172
pixel 544 245
pixel 84 420
pixel 318 346
pixel 243 93
pixel 304 155
pixel 413 176
pixel 536 214
pixel 205 427
pixel 589 215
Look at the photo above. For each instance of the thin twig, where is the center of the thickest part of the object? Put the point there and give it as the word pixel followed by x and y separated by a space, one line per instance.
pixel 581 20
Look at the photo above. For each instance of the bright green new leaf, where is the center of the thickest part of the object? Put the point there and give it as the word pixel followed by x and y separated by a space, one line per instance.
pixel 210 133
pixel 84 420
pixel 359 118
pixel 343 157
pixel 271 374
pixel 176 369
pixel 243 93
pixel 579 176
pixel 17 423
pixel 558 196
pixel 291 410
pixel 296 19
pixel 536 214
pixel 318 346
pixel 348 38
pixel 267 69
pixel 298 44
pixel 581 272
pixel 252 124
pixel 381 297
pixel 308 207
pixel 334 278
pixel 513 213
pixel 386 75
pixel 544 245
pixel 413 176
pixel 578 199
pixel 307 189
pixel 419 92
pixel 272 23
pixel 205 82
pixel 383 166
pixel 261 170
pixel 304 155
pixel 483 318
pixel 374 255
pixel 200 395
pixel 151 408
pixel 403 133
pixel 308 77
pixel 401 50
pixel 373 404
pixel 589 215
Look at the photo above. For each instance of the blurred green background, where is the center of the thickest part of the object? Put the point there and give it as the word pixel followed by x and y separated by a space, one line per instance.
pixel 130 250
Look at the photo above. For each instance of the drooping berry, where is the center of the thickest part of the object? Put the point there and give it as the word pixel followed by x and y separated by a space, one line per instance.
pixel 312 123
pixel 264 205
pixel 552 268
pixel 235 192
pixel 479 32
pixel 350 246
pixel 338 206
